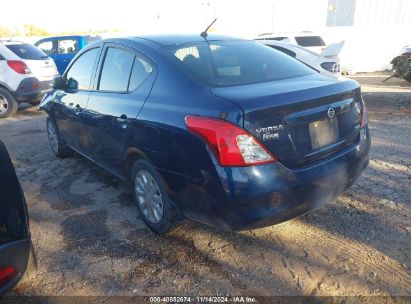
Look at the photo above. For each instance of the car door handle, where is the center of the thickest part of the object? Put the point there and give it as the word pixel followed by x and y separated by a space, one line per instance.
pixel 123 121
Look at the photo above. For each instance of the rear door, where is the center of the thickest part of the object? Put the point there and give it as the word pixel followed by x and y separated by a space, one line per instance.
pixel 14 231
pixel 70 103
pixel 124 82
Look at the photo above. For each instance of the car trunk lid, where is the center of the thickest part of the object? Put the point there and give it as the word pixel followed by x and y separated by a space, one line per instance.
pixel 300 120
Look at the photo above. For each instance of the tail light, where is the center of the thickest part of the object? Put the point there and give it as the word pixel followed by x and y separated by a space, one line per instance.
pixel 364 120
pixel 6 274
pixel 19 66
pixel 230 144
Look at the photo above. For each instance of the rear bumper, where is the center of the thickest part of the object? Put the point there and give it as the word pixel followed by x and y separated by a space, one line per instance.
pixel 251 197
pixel 32 89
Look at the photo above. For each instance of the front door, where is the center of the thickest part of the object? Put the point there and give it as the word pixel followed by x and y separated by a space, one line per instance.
pixel 71 102
pixel 125 81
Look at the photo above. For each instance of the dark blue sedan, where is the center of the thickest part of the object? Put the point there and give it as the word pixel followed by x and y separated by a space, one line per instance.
pixel 222 131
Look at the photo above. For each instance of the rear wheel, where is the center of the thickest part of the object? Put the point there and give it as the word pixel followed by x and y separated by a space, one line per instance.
pixel 8 104
pixel 59 149
pixel 151 197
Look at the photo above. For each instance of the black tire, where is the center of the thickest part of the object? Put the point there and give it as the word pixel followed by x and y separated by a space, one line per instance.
pixel 167 221
pixel 59 149
pixel 8 104
pixel 408 77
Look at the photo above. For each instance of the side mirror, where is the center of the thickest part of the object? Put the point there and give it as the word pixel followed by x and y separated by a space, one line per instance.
pixel 72 84
pixel 58 83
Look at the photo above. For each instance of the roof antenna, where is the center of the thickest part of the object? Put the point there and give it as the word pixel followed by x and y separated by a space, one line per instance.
pixel 204 34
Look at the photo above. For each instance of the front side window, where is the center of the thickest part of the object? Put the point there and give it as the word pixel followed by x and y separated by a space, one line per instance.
pixel 68 46
pixel 79 75
pixel 230 63
pixel 123 71
pixel 46 47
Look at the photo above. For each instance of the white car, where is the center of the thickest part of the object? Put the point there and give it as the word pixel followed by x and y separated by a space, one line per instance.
pixel 26 74
pixel 326 63
pixel 305 39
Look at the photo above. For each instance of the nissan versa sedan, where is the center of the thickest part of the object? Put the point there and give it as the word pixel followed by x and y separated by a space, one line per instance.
pixel 223 131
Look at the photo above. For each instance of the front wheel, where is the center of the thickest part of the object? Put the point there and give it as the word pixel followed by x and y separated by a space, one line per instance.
pixel 59 149
pixel 151 197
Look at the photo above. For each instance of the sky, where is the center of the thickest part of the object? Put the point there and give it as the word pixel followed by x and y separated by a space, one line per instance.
pixel 235 17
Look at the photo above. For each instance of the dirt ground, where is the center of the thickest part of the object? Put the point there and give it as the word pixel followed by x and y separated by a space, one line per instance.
pixel 89 239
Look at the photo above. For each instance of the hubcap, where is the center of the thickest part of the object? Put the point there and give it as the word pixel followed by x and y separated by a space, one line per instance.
pixel 4 104
pixel 51 131
pixel 149 196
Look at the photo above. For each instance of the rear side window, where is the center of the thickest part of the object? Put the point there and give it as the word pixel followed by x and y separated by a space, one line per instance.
pixel 309 41
pixel 123 71
pixel 230 63
pixel 140 72
pixel 82 69
pixel 27 51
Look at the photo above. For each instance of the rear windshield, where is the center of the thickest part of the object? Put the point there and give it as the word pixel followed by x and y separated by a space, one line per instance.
pixel 308 41
pixel 230 63
pixel 27 51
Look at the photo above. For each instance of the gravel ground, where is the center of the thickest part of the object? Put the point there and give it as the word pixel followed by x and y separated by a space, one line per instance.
pixel 89 239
